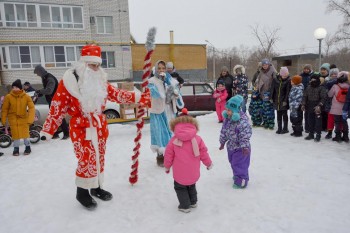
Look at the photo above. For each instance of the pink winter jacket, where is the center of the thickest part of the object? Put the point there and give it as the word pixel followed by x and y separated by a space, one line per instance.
pixel 184 152
pixel 220 94
pixel 337 107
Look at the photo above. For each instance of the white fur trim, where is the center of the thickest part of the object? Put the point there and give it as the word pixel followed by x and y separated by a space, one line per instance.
pixel 71 84
pixel 157 149
pixel 237 67
pixel 44 134
pixel 90 183
pixel 91 59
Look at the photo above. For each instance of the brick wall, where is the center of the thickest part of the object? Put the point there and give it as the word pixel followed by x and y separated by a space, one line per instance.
pixel 114 42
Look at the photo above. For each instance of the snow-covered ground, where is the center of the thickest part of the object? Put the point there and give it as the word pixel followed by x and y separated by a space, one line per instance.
pixel 296 186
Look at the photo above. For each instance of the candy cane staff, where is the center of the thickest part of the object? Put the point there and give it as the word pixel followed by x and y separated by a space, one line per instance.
pixel 143 103
pixel 82 93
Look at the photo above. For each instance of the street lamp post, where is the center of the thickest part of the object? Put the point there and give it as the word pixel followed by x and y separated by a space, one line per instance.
pixel 213 58
pixel 320 34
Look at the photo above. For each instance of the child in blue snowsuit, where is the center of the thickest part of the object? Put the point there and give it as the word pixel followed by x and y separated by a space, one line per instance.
pixel 255 107
pixel 236 132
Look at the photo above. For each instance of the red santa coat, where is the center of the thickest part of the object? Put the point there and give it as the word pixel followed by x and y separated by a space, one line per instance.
pixel 86 132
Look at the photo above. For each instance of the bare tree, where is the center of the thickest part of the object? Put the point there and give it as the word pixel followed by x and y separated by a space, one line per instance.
pixel 267 39
pixel 342 8
pixel 330 41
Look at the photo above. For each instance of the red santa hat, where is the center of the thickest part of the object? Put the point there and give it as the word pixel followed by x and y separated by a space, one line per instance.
pixel 91 54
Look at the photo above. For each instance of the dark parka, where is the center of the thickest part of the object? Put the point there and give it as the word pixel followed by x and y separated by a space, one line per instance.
pixel 280 89
pixel 14 109
pixel 314 96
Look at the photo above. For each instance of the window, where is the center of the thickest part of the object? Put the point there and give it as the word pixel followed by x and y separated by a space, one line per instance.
pixel 104 25
pixel 60 56
pixel 27 57
pixel 31 16
pixel 49 16
pixel 187 90
pixel 23 56
pixel 55 56
pixel 108 59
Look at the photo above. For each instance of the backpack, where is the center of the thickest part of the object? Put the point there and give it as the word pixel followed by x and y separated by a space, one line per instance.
pixel 341 95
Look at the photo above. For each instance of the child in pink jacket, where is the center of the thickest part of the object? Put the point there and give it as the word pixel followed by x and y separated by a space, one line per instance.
pixel 220 94
pixel 184 153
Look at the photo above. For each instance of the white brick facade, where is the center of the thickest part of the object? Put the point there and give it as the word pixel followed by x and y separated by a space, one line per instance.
pixel 118 41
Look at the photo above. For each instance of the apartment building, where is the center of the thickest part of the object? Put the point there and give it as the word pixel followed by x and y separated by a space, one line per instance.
pixel 52 32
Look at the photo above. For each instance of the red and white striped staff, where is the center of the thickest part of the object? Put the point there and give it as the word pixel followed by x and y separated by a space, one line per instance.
pixel 143 103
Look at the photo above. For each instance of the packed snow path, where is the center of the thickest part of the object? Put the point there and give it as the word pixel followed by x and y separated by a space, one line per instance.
pixel 295 186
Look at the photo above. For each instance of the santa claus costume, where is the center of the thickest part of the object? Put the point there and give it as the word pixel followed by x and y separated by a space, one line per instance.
pixel 82 93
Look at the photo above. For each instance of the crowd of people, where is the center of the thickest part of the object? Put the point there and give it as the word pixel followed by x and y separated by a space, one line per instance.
pixel 321 99
pixel 316 101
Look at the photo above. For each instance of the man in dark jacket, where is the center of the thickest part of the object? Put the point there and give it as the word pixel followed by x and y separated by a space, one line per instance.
pixel 170 68
pixel 27 87
pixel 50 84
pixel 305 75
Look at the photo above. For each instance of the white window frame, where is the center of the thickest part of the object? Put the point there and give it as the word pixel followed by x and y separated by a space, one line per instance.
pixel 75 25
pixel 104 25
pixel 8 64
pixel 107 62
pixel 64 65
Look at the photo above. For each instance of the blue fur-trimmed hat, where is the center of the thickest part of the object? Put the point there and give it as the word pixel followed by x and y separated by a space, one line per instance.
pixel 234 104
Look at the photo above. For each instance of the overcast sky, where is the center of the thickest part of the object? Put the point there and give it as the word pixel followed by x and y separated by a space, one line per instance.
pixel 226 23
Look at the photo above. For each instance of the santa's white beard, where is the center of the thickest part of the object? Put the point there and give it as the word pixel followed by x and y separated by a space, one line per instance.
pixel 93 90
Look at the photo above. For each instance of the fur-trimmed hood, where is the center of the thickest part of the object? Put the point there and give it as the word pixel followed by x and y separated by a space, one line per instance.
pixel 238 67
pixel 183 119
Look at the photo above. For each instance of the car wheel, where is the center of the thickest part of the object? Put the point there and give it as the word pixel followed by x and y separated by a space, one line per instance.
pixel 111 114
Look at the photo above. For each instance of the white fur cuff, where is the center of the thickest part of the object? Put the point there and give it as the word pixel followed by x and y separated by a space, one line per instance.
pixel 45 135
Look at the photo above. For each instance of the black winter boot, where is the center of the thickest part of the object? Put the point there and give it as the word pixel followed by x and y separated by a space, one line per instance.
pixel 102 194
pixel 15 151
pixel 27 151
pixel 284 130
pixel 329 135
pixel 160 160
pixel 345 137
pixel 85 199
pixel 310 136
pixel 318 138
pixel 337 137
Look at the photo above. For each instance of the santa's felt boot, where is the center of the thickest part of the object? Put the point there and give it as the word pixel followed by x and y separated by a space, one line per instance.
pixel 83 196
pixel 102 194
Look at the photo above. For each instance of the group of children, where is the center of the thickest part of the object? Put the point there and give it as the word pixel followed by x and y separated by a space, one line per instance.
pixel 186 150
